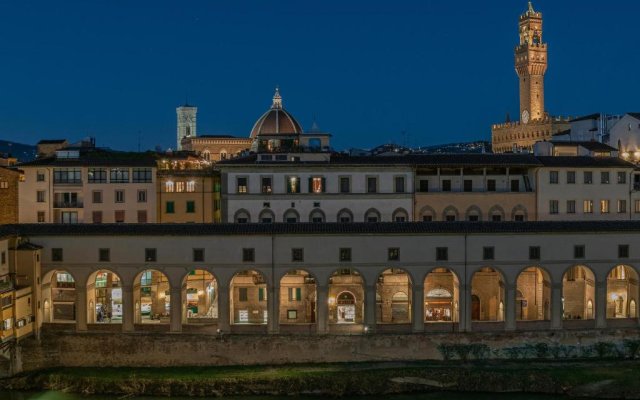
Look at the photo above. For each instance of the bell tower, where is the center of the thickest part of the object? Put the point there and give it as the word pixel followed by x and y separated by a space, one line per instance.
pixel 186 123
pixel 531 65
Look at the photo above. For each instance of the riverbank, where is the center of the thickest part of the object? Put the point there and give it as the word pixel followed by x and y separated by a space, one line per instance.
pixel 594 379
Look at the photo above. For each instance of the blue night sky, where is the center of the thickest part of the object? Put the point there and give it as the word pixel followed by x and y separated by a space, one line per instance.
pixel 366 70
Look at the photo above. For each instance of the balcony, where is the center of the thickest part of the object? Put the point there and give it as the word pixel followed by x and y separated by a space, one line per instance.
pixel 68 204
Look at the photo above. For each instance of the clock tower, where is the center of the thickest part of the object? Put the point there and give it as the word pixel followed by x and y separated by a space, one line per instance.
pixel 531 65
pixel 186 123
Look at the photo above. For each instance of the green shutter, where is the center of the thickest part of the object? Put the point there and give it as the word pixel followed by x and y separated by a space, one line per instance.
pixel 260 294
pixel 298 294
pixel 170 207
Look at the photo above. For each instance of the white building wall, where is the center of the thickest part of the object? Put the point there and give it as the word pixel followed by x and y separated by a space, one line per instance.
pixel 627 133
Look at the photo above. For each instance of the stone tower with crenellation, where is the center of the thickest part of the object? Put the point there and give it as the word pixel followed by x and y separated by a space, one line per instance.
pixel 531 65
pixel 186 115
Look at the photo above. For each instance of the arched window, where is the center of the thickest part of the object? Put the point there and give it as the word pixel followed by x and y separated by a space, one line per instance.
pixel 206 155
pixel 291 216
pixel 400 215
pixel 242 216
pixel 496 214
pixel 372 215
pixel 317 216
pixel 223 154
pixel 474 214
pixel 519 213
pixel 427 214
pixel 345 216
pixel 267 216
pixel 450 214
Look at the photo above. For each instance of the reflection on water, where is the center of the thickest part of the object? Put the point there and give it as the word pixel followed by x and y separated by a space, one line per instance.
pixel 430 396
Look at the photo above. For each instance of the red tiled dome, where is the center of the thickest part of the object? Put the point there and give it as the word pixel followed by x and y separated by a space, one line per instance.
pixel 276 121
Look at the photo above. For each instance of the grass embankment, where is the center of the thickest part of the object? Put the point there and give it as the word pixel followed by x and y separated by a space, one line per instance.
pixel 596 379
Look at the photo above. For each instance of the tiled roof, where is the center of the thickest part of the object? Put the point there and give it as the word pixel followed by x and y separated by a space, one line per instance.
pixel 586 117
pixel 386 228
pixel 584 162
pixel 589 145
pixel 98 159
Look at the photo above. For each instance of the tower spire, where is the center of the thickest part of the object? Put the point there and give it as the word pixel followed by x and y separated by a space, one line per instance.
pixel 531 10
pixel 277 99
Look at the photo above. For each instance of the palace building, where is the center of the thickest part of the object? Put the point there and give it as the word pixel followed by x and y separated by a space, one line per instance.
pixel 531 61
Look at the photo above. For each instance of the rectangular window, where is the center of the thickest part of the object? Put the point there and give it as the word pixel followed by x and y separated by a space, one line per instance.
pixel 345 184
pixel 446 185
pixel 191 206
pixel 170 207
pixel 241 185
pixel 293 184
pixel 424 186
pixel 297 255
pixel 488 253
pixel 266 185
pixel 571 206
pixel 571 177
pixel 442 253
pixel 294 294
pixel 316 184
pixel 97 196
pixel 119 216
pixel 4 185
pixel 243 294
pixel 142 196
pixel 623 251
pixel 393 254
pixel 96 217
pixel 3 258
pixel 515 185
pixel 104 255
pixel 262 294
pixel 67 175
pixel 56 254
pixel 345 254
pixel 491 185
pixel 180 187
pixel 292 314
pixel 142 175
pixel 588 177
pixel 534 253
pixel 248 255
pixel 40 196
pixel 119 175
pixel 119 196
pixel 553 207
pixel 578 251
pixel 622 177
pixel 622 206
pixel 97 175
pixel 191 186
pixel 553 177
pixel 40 216
pixel 169 187
pixel 372 184
pixel 636 206
pixel 142 216
pixel 40 176
pixel 198 255
pixel 399 184
pixel 150 255
pixel 468 185
pixel 587 206
pixel 604 177
pixel 604 206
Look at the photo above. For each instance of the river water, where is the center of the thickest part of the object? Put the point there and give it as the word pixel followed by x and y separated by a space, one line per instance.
pixel 431 396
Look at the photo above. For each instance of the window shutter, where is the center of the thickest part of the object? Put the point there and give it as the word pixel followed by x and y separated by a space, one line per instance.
pixel 298 294
pixel 310 185
pixel 324 184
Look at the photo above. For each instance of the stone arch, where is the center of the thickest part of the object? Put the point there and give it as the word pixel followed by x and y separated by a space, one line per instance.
pixel 206 154
pixel 59 290
pixel 248 298
pixel 200 297
pixel 441 295
pixel 343 310
pixel 487 283
pixel 242 216
pixel 390 282
pixel 400 215
pixel 519 213
pixel 152 297
pixel 496 213
pixel 578 291
pixel 291 216
pixel 622 290
pixel 266 216
pixel 317 215
pixel 450 214
pixel 345 215
pixel 298 297
pixel 372 215
pixel 534 286
pixel 427 214
pixel 224 154
pixel 473 213
pixel 104 297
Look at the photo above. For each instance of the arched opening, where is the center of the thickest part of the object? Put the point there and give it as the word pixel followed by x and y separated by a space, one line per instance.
pixel 266 216
pixel 316 216
pixel 394 293
pixel 291 216
pixel 488 285
pixel 297 298
pixel 345 216
pixel 200 297
pixel 400 215
pixel 578 292
pixel 346 297
pixel 206 155
pixel 104 294
pixel 59 292
pixel 450 214
pixel 474 214
pixel 622 291
pixel 442 296
pixel 519 214
pixel 372 215
pixel 248 298
pixel 496 214
pixel 533 300
pixel 242 217
pixel 427 214
pixel 152 294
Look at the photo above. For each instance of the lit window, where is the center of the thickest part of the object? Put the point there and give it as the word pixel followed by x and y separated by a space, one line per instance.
pixel 180 186
pixel 169 187
pixel 588 206
pixel 604 206
pixel 191 186
pixel 317 184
